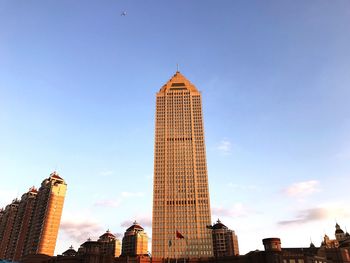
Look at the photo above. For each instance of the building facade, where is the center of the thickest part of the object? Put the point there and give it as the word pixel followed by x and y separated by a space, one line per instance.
pixel 30 225
pixel 225 241
pixel 104 250
pixel 181 204
pixel 110 244
pixel 22 224
pixel 135 241
pixel 7 226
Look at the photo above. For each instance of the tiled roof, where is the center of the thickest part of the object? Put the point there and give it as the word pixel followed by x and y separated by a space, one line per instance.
pixel 55 176
pixel 107 234
pixel 219 225
pixel 135 226
pixel 33 190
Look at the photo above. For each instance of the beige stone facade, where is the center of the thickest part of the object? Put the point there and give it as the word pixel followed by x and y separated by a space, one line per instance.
pixel 181 201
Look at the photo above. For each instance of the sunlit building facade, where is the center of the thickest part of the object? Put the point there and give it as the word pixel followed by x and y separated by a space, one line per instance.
pixel 7 228
pixel 135 241
pixel 181 205
pixel 47 216
pixel 21 226
pixel 30 225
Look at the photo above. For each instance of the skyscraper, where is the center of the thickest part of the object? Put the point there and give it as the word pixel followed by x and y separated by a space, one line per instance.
pixel 181 205
pixel 30 225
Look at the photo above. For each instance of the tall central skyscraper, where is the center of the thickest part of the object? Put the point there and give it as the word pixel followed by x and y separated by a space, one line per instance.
pixel 181 205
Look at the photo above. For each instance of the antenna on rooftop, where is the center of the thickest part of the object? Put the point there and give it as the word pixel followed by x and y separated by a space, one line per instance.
pixel 56 167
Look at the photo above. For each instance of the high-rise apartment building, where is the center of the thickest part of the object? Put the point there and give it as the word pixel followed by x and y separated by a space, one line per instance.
pixel 47 216
pixel 22 224
pixel 6 227
pixel 30 225
pixel 181 205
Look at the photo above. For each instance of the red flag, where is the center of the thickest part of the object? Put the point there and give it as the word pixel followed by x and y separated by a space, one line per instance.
pixel 179 235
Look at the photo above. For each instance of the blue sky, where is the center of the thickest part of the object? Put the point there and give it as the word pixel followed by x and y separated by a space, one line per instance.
pixel 77 95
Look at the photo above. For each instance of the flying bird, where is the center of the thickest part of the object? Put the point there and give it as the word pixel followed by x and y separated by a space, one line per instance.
pixel 123 13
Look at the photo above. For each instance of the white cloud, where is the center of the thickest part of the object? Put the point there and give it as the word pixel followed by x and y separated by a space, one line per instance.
pixel 329 211
pixel 302 189
pixel 224 146
pixel 236 210
pixel 116 202
pixel 80 229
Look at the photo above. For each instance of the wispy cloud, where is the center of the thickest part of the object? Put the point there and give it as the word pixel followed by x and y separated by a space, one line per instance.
pixel 224 146
pixel 315 214
pixel 306 216
pixel 80 229
pixel 236 210
pixel 302 189
pixel 118 200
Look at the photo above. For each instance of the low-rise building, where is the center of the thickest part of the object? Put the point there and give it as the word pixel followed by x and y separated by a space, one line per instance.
pixel 135 241
pixel 225 241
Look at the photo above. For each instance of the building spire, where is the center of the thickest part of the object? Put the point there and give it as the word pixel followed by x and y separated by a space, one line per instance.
pixel 177 68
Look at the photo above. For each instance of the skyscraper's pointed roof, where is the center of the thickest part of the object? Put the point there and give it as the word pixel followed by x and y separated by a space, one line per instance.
pixel 178 81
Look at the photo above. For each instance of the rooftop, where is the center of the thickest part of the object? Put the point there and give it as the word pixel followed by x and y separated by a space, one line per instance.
pixel 178 82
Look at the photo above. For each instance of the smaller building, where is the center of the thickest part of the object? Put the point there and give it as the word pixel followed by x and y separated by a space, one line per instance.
pixel 339 233
pixel 110 244
pixel 225 241
pixel 70 252
pixel 338 249
pixel 105 249
pixel 135 241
